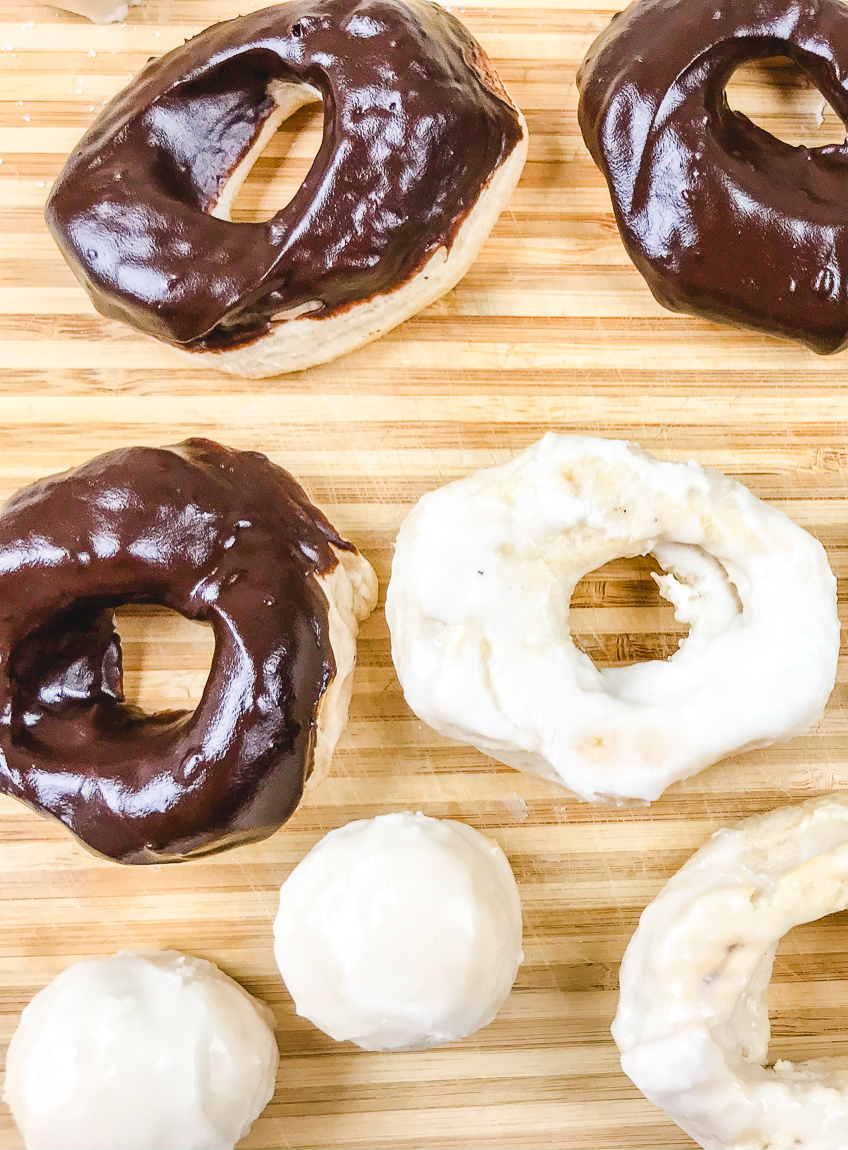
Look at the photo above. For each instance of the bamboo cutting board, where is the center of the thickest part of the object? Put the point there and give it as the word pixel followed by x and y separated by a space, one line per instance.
pixel 552 328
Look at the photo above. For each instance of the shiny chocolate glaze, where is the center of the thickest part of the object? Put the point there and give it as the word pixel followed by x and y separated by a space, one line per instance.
pixel 415 124
pixel 722 219
pixel 217 535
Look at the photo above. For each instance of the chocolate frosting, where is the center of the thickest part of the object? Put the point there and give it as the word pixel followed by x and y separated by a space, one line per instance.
pixel 415 124
pixel 217 535
pixel 722 219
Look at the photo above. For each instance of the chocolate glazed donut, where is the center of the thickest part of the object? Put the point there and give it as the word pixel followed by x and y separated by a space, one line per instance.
pixel 722 219
pixel 421 148
pixel 217 535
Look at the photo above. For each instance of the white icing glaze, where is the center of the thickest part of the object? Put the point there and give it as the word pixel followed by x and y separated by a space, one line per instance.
pixel 692 1023
pixel 400 932
pixel 98 11
pixel 478 607
pixel 146 1050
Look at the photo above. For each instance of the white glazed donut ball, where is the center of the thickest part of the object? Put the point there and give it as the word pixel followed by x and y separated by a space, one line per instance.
pixel 478 608
pixel 400 932
pixel 146 1050
pixel 98 11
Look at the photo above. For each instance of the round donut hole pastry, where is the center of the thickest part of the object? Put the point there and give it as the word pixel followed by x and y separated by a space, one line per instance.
pixel 478 609
pixel 723 219
pixel 145 1050
pixel 692 1023
pixel 400 932
pixel 97 11
pixel 422 148
pixel 220 536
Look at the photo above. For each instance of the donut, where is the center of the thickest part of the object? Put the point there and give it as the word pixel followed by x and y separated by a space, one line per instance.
pixel 421 150
pixel 721 218
pixel 478 606
pixel 219 536
pixel 146 1048
pixel 97 11
pixel 400 932
pixel 692 1022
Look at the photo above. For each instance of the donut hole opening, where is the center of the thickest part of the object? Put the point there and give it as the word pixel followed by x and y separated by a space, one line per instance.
pixel 618 617
pixel 166 657
pixel 161 661
pixel 637 610
pixel 808 992
pixel 777 96
pixel 273 175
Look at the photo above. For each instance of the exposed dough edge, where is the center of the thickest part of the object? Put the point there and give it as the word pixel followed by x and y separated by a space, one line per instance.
pixel 351 589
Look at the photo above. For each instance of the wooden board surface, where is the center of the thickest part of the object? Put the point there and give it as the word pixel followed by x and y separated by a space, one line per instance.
pixel 552 328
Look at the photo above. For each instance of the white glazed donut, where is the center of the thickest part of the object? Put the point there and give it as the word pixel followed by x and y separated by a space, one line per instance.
pixel 146 1050
pixel 692 1023
pixel 97 11
pixel 478 608
pixel 400 932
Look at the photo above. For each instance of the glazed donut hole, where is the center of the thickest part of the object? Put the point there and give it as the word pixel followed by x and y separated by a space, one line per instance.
pixel 145 1048
pixel 400 932
pixel 97 11
pixel 803 116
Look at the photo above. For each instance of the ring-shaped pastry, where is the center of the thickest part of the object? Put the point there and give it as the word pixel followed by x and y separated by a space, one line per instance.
pixel 478 608
pixel 421 149
pixel 721 218
pixel 692 1023
pixel 219 536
